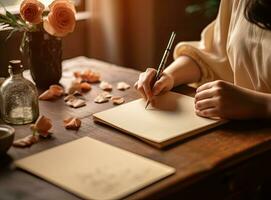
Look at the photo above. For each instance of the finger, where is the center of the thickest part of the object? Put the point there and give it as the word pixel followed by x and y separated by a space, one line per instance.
pixel 147 91
pixel 146 80
pixel 210 112
pixel 159 86
pixel 149 75
pixel 205 86
pixel 146 77
pixel 205 94
pixel 142 92
pixel 136 85
pixel 205 104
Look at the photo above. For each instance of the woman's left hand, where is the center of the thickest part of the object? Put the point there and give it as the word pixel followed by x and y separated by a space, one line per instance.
pixel 227 101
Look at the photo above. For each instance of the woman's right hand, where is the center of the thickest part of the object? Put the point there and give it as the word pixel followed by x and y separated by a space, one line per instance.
pixel 145 84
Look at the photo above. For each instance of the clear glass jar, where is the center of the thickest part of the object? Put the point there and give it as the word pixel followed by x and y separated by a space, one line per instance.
pixel 19 97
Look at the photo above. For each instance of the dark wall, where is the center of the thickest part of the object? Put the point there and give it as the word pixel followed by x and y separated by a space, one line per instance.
pixel 135 33
pixel 170 16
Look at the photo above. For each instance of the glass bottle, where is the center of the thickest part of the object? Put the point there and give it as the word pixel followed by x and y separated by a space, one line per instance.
pixel 19 97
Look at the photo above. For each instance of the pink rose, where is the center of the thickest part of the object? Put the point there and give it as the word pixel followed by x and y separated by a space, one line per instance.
pixel 61 19
pixel 31 11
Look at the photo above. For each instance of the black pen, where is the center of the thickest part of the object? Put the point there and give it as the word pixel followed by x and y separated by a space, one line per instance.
pixel 163 61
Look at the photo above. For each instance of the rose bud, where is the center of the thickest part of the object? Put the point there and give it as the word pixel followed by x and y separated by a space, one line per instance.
pixel 31 11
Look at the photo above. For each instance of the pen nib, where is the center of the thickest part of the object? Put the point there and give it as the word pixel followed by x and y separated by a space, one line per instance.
pixel 147 105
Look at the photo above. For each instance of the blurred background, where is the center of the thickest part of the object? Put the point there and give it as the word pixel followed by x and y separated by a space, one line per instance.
pixel 130 33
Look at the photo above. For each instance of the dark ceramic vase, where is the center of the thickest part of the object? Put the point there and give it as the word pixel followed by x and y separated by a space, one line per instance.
pixel 43 54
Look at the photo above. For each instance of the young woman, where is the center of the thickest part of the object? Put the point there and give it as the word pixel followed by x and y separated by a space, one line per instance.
pixel 230 66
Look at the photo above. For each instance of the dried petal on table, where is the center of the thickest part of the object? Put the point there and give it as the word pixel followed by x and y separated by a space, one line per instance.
pixel 26 141
pixel 72 123
pixel 76 103
pixel 105 86
pixel 88 76
pixel 117 100
pixel 69 97
pixel 101 98
pixel 57 90
pixel 77 74
pixel 106 95
pixel 123 86
pixel 74 96
pixel 75 86
pixel 54 92
pixel 47 96
pixel 85 87
pixel 42 126
pixel 77 94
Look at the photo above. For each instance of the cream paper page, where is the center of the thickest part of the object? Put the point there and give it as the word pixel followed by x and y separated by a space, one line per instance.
pixel 172 115
pixel 95 170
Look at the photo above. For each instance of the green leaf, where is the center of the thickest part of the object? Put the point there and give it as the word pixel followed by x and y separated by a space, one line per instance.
pixel 11 33
pixel 22 21
pixel 23 43
pixel 11 16
pixel 4 17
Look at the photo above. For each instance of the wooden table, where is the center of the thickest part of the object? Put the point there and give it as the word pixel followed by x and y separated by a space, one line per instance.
pixel 228 162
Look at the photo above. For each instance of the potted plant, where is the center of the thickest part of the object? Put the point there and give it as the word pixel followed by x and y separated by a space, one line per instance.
pixel 43 31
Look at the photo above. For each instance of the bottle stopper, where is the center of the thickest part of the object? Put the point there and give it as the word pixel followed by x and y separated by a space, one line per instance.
pixel 15 66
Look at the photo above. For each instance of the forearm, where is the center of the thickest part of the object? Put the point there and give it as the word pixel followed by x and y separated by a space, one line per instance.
pixel 184 70
pixel 260 103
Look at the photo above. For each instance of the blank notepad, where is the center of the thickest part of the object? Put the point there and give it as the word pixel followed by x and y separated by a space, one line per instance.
pixel 94 170
pixel 172 118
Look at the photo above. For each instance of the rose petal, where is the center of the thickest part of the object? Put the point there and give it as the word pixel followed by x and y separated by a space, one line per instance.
pixel 61 18
pixel 77 94
pixel 57 90
pixel 90 77
pixel 123 86
pixel 117 100
pixel 72 123
pixel 106 95
pixel 75 86
pixel 31 11
pixel 76 103
pixel 85 87
pixel 54 92
pixel 26 141
pixel 74 96
pixel 101 99
pixel 87 76
pixel 48 95
pixel 105 86
pixel 69 97
pixel 77 74
pixel 42 126
pixel 64 2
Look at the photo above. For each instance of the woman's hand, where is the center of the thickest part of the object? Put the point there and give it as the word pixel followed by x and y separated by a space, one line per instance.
pixel 145 84
pixel 225 100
